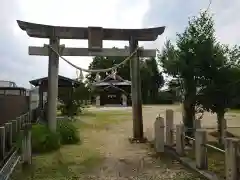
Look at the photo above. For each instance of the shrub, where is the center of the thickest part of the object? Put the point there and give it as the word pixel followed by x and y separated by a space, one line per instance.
pixel 43 140
pixel 70 109
pixel 68 132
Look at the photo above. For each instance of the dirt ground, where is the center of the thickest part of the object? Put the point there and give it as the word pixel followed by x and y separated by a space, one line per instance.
pixel 132 161
pixel 106 153
pixel 151 111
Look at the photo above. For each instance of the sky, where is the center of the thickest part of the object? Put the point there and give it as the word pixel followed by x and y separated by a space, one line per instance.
pixel 16 65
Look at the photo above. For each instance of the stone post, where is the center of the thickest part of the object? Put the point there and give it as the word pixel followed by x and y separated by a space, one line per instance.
pixel 159 134
pixel 169 127
pixel 231 158
pixel 98 101
pixel 180 139
pixel 124 100
pixel 201 149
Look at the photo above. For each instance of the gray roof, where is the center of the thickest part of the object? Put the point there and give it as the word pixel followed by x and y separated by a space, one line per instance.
pixel 110 80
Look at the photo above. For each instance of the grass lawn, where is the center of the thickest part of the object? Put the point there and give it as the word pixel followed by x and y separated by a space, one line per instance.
pixel 72 161
pixel 234 110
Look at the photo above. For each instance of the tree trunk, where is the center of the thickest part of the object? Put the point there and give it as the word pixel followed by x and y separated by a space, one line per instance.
pixel 221 126
pixel 188 116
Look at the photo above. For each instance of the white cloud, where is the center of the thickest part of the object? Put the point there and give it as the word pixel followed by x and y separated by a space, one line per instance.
pixel 174 15
pixel 18 66
pixel 108 13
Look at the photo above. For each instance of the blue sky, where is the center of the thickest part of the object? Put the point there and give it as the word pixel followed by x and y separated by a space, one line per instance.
pixel 18 66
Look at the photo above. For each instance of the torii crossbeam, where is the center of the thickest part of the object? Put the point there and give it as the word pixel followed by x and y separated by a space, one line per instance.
pixel 95 36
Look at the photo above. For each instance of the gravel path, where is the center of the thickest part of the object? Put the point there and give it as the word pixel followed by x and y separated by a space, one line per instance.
pixel 133 161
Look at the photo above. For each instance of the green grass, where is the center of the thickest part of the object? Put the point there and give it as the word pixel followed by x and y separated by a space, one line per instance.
pixel 73 161
pixel 234 111
pixel 102 119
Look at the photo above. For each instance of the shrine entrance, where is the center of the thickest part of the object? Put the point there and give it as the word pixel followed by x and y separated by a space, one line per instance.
pixel 113 90
pixel 111 99
pixel 112 96
pixel 95 37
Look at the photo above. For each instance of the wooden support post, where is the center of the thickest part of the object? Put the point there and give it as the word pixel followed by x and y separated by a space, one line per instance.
pixel 26 145
pixel 14 130
pixel 169 127
pixel 180 139
pixel 231 158
pixel 159 137
pixel 23 120
pixel 40 94
pixel 136 92
pixel 223 130
pixel 8 128
pixel 17 125
pixel 19 122
pixel 2 142
pixel 53 84
pixel 29 147
pixel 30 112
pixel 201 149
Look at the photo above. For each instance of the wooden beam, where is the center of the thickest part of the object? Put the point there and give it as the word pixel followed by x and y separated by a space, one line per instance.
pixel 66 32
pixel 44 51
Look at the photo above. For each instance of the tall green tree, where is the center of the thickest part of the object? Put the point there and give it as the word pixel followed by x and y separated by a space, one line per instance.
pixel 220 91
pixel 190 61
pixel 152 80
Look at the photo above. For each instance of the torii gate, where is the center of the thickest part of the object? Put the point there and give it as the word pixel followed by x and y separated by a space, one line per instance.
pixel 95 37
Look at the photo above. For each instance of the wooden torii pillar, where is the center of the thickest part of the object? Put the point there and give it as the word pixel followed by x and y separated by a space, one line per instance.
pixel 95 36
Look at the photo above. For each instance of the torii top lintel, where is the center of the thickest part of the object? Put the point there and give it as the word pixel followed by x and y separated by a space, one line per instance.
pixel 47 31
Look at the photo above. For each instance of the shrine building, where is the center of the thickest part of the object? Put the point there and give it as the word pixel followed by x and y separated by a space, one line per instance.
pixel 113 91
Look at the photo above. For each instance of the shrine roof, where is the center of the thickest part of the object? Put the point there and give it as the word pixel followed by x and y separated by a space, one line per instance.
pixel 65 32
pixel 62 81
pixel 110 80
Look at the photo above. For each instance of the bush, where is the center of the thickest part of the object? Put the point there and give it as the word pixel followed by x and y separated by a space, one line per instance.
pixel 68 132
pixel 71 109
pixel 43 140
